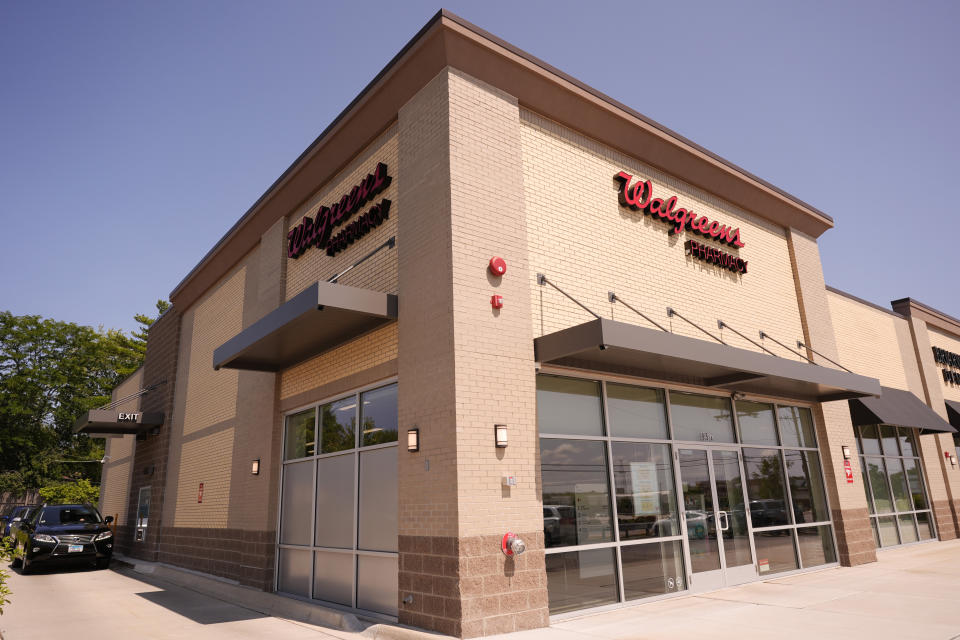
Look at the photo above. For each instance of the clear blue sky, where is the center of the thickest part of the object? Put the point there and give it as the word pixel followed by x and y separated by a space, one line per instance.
pixel 133 134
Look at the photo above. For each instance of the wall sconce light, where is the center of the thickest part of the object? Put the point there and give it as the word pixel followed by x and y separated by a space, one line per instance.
pixel 953 461
pixel 413 440
pixel 846 452
pixel 500 435
pixel 255 467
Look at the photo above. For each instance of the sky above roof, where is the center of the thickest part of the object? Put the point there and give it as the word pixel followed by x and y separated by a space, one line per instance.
pixel 134 134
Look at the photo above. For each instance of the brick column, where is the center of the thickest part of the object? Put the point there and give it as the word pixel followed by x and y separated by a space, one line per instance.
pixel 834 428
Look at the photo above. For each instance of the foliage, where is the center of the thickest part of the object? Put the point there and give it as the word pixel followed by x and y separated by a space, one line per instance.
pixel 79 492
pixel 7 553
pixel 51 372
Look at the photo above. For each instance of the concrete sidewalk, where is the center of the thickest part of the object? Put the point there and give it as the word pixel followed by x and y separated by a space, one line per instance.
pixel 910 592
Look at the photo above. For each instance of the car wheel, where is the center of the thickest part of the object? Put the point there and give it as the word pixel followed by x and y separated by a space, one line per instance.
pixel 103 563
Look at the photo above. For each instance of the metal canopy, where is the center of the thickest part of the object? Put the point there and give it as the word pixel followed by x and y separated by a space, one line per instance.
pixel 953 411
pixel 617 347
pixel 900 408
pixel 110 422
pixel 319 318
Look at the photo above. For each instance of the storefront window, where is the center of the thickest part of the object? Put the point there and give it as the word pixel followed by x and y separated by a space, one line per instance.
pixel 652 569
pixel 765 486
pixel 576 490
pixel 338 545
pixel 893 482
pixel 299 435
pixel 581 579
pixel 636 412
pixel 757 425
pixel 816 546
pixel 796 427
pixel 701 418
pixel 568 406
pixel 775 552
pixel 806 486
pixel 646 493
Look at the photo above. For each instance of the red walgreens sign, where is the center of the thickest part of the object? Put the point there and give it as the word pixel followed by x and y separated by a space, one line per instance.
pixel 639 197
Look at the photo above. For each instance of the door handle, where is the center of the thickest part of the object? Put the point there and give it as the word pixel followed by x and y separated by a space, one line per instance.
pixel 724 521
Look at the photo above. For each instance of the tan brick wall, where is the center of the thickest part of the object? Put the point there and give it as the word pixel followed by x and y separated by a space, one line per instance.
pixel 115 478
pixel 944 340
pixel 365 352
pixel 205 406
pixel 583 240
pixel 378 273
pixel 869 343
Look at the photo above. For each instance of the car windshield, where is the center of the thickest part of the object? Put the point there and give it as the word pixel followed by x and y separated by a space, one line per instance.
pixel 69 515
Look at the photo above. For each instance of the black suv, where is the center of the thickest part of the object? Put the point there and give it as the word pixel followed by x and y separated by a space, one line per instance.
pixel 64 533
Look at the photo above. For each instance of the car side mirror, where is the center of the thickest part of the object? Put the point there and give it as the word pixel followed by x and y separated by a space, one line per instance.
pixel 108 519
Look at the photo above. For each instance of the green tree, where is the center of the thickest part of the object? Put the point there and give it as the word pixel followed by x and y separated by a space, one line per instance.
pixel 50 373
pixel 79 492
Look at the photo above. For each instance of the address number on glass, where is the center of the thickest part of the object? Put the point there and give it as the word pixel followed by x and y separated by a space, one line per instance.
pixel 706 436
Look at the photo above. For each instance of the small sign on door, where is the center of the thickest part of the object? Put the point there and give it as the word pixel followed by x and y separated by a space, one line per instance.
pixel 763 566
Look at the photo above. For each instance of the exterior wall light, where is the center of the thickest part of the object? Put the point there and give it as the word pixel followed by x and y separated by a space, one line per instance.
pixel 413 440
pixel 255 467
pixel 846 452
pixel 953 461
pixel 500 435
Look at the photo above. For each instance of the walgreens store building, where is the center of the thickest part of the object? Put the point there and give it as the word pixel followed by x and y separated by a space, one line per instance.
pixel 490 300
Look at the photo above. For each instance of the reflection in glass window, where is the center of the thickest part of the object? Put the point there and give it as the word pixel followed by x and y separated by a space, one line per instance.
pixel 765 487
pixel 878 483
pixel 915 479
pixel 338 422
pixel 925 526
pixel 888 531
pixel 299 440
pixel 806 486
pixel 775 552
pixel 652 569
pixel 796 427
pixel 702 418
pixel 888 438
pixel 569 406
pixel 816 546
pixel 906 442
pixel 869 440
pixel 646 494
pixel 581 579
pixel 636 412
pixel 757 425
pixel 898 480
pixel 378 415
pixel 576 492
pixel 908 529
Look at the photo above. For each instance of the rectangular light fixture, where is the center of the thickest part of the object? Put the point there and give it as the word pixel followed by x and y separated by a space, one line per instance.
pixel 413 439
pixel 500 435
pixel 846 452
pixel 255 467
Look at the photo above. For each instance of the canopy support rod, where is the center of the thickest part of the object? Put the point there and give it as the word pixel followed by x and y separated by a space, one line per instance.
pixel 392 242
pixel 542 280
pixel 671 312
pixel 613 298
pixel 142 392
pixel 800 345
pixel 764 335
pixel 721 324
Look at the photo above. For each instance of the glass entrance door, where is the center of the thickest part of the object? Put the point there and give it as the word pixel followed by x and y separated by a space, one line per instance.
pixel 715 518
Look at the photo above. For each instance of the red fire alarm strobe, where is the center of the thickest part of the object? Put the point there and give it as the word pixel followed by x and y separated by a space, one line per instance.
pixel 497 266
pixel 200 493
pixel 496 302
pixel 848 471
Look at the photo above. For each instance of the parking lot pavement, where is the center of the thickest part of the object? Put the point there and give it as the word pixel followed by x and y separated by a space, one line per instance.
pixel 82 603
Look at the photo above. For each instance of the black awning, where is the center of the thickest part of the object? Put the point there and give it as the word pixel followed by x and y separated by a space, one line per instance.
pixel 953 412
pixel 617 347
pixel 898 407
pixel 321 317
pixel 110 422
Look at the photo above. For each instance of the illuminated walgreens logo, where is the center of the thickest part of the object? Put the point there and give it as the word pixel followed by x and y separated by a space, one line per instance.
pixel 319 233
pixel 638 195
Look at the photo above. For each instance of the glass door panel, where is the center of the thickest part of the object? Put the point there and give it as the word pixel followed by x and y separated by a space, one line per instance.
pixel 732 517
pixel 699 517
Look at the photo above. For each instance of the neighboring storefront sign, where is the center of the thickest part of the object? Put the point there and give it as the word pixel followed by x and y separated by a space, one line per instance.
pixel 638 196
pixel 319 233
pixel 950 362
